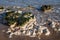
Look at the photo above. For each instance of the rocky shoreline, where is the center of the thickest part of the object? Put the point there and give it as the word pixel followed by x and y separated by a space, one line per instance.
pixel 34 27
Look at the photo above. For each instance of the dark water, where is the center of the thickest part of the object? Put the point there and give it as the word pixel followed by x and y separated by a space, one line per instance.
pixel 28 2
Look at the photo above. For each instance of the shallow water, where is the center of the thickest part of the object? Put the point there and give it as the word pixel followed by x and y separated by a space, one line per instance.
pixel 28 2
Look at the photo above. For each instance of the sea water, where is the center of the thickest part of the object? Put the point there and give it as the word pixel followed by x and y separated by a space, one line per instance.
pixel 28 2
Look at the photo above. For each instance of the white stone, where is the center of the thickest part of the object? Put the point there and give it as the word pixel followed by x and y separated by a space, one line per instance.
pixel 31 27
pixel 9 30
pixel 19 11
pixel 53 24
pixel 8 10
pixel 59 29
pixel 17 33
pixel 18 7
pixel 1 10
pixel 15 11
pixel 48 32
pixel 24 32
pixel 13 25
pixel 10 36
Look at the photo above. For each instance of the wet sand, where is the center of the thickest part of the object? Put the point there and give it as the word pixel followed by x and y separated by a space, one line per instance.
pixel 2 34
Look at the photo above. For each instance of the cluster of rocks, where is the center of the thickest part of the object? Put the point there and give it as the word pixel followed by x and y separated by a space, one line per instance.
pixel 32 28
pixel 46 8
pixel 56 26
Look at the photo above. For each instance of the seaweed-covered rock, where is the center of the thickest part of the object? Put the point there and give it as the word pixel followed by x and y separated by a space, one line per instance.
pixel 46 7
pixel 20 19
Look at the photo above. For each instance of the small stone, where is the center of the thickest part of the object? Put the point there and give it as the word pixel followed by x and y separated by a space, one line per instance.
pixel 10 36
pixel 59 29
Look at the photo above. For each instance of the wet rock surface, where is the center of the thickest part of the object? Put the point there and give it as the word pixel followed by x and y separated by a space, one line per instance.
pixel 49 21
